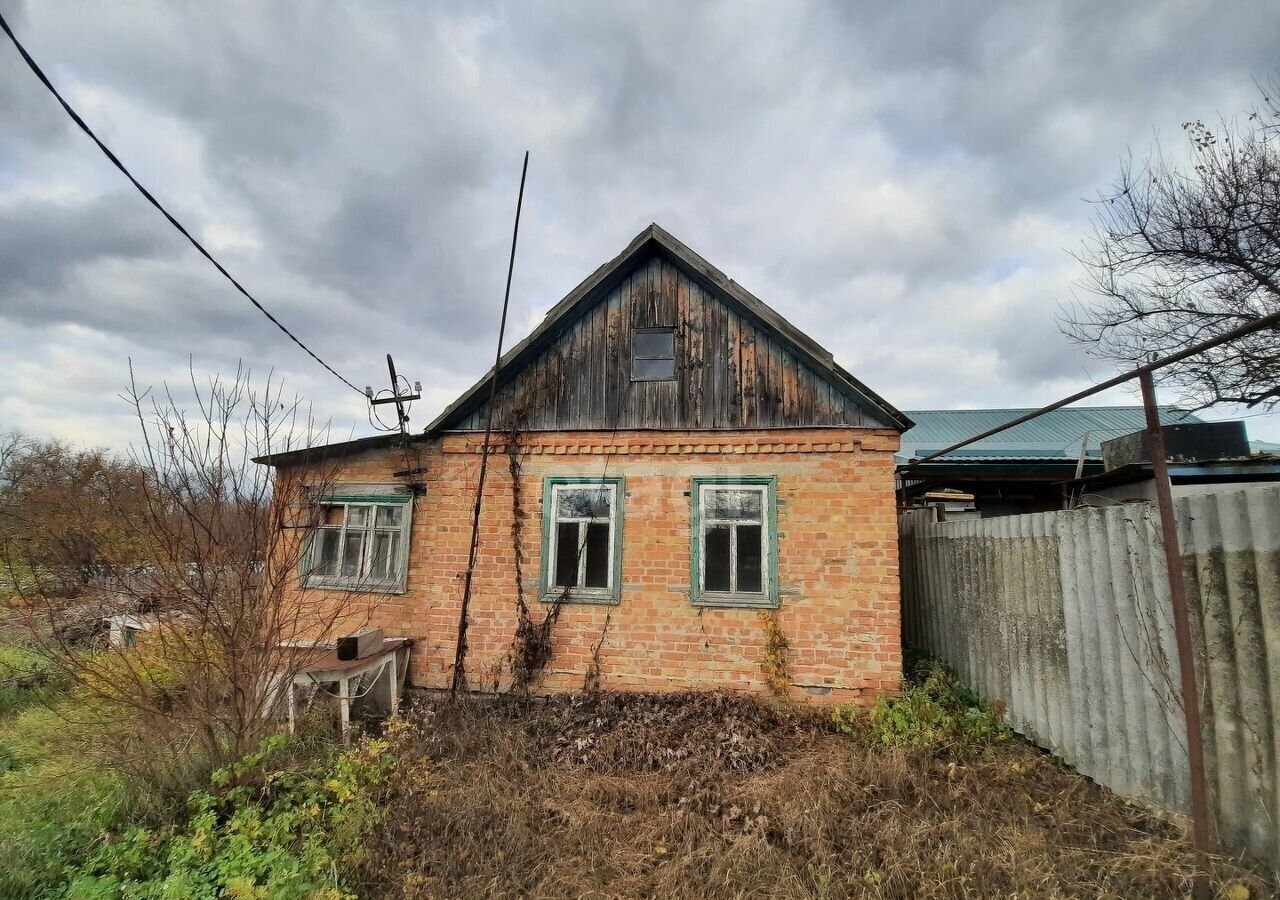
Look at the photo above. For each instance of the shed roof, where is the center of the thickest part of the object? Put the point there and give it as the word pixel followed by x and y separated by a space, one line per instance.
pixel 1053 436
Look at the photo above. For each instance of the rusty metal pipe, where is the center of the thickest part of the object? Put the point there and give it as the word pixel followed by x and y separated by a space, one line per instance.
pixel 1200 823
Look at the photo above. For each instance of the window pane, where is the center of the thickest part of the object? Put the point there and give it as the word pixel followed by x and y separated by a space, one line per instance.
pixel 331 515
pixel 653 343
pixel 566 574
pixel 357 517
pixel 582 503
pixel 386 544
pixel 715 559
pixel 750 555
pixel 731 503
pixel 653 368
pixel 326 562
pixel 389 516
pixel 597 574
pixel 351 555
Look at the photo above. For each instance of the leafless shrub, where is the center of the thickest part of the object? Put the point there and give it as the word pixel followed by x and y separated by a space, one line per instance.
pixel 208 570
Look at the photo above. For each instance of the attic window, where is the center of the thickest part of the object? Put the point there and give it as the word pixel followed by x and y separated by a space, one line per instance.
pixel 653 354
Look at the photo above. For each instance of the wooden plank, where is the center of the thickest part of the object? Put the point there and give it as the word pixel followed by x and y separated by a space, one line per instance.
pixel 593 368
pixel 614 381
pixel 576 362
pixel 776 413
pixel 665 315
pixel 684 392
pixel 789 389
pixel 712 360
pixel 733 380
pixel 747 373
pixel 697 354
pixel 806 395
pixel 632 302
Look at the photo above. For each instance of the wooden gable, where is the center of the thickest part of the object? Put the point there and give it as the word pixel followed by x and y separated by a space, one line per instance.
pixel 738 364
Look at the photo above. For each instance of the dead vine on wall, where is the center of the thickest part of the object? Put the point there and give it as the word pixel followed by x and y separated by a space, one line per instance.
pixel 531 648
pixel 591 682
pixel 775 663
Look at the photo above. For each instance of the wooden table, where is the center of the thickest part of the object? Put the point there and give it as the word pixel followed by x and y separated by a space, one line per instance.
pixel 388 665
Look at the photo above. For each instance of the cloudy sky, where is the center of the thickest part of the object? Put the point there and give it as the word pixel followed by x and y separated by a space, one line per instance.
pixel 903 181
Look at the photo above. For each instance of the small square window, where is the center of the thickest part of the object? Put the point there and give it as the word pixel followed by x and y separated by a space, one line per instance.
pixel 653 354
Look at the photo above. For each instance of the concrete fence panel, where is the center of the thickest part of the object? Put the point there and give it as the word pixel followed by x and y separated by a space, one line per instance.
pixel 1065 618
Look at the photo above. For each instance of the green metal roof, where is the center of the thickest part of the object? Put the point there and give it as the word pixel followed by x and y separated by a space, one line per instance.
pixel 1053 436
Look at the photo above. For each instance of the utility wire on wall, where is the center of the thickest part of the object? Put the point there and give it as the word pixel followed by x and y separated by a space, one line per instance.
pixel 75 117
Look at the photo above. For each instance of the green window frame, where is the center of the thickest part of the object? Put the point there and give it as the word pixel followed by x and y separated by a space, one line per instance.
pixel 360 542
pixel 718 534
pixel 567 510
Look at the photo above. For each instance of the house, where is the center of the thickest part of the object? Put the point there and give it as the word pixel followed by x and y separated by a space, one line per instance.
pixel 685 492
pixel 1021 470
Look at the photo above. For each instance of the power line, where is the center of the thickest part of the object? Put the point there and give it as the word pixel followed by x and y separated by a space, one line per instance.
pixel 39 73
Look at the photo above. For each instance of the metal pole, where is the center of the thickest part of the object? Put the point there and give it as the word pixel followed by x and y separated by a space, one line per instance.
pixel 460 651
pixel 1181 623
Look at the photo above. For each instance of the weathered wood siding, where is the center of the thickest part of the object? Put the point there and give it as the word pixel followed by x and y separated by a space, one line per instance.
pixel 730 371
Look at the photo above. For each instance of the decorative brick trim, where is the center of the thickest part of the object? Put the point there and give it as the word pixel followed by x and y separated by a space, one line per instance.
pixel 663 447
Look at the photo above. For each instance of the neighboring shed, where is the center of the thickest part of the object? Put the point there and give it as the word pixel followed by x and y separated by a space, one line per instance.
pixel 1019 470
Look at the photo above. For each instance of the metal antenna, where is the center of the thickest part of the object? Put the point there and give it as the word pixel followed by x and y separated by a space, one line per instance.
pixel 401 399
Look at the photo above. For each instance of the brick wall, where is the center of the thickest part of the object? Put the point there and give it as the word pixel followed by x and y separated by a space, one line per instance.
pixel 837 562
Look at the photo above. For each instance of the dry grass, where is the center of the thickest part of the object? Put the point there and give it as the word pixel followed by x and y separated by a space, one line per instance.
pixel 707 795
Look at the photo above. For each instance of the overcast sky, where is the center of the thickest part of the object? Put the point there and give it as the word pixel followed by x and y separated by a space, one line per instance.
pixel 903 181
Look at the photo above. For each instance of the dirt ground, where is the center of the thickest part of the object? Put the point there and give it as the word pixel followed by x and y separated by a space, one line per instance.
pixel 712 795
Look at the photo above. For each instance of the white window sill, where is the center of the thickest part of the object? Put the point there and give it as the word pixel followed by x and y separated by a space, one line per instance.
pixel 590 598
pixel 354 587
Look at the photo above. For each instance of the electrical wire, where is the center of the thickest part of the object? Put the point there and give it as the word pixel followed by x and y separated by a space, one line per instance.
pixel 75 117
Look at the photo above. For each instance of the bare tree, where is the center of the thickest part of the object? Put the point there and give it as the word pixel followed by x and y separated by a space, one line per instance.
pixel 1181 254
pixel 212 574
pixel 55 510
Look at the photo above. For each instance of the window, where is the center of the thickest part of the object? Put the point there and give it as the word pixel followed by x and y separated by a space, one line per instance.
pixel 581 539
pixel 734 542
pixel 653 354
pixel 361 543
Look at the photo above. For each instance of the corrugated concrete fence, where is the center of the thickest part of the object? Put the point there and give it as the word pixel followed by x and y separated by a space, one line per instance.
pixel 1065 618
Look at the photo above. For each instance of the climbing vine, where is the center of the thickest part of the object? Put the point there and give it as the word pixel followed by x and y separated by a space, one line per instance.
pixel 531 647
pixel 776 668
pixel 591 682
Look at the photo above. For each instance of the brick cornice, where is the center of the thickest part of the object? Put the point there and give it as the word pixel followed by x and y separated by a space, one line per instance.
pixel 685 446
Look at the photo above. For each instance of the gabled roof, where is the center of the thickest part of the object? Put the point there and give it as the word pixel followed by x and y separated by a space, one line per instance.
pixel 585 295
pixel 1054 436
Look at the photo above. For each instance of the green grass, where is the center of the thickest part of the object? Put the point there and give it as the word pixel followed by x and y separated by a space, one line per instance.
pixel 273 826
pixel 26 680
pixel 54 804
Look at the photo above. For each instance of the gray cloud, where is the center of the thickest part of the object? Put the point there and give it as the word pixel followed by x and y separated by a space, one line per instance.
pixel 900 181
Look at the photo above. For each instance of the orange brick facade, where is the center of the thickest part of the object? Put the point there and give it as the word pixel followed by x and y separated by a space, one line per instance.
pixel 837 557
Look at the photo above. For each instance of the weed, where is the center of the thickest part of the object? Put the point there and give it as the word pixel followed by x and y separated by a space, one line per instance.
pixel 26 679
pixel 269 826
pixel 934 712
